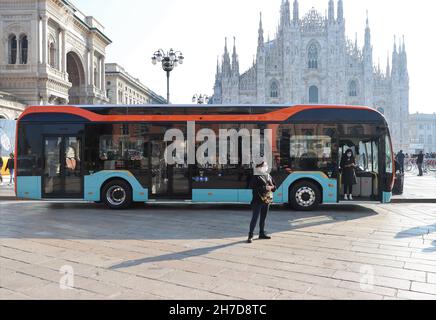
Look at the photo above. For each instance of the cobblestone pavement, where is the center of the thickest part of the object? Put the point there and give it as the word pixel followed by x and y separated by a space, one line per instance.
pixel 199 252
pixel 419 187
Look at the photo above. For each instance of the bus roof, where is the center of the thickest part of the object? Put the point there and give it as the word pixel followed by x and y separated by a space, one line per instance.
pixel 204 113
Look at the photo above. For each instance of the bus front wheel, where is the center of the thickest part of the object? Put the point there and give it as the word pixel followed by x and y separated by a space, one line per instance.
pixel 304 196
pixel 117 194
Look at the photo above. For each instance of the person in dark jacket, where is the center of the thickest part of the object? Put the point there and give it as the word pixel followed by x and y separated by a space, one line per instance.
pixel 420 162
pixel 400 158
pixel 10 165
pixel 1 168
pixel 261 184
pixel 347 167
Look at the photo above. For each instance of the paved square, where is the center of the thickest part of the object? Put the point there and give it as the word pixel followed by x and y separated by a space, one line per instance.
pixel 199 252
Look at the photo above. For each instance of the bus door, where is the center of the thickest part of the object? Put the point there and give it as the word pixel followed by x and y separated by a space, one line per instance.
pixel 167 181
pixel 63 175
pixel 367 156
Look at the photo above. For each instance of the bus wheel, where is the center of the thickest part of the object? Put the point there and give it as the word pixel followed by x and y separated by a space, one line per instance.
pixel 117 194
pixel 304 196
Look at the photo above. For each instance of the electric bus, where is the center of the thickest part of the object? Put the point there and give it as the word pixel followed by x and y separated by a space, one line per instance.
pixel 117 154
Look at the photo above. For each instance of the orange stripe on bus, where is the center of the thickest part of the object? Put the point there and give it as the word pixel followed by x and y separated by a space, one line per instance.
pixel 279 115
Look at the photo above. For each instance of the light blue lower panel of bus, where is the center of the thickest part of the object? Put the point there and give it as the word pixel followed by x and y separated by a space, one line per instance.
pixel 29 188
pixel 215 195
pixel 329 186
pixel 94 182
pixel 228 195
pixel 387 197
pixel 245 195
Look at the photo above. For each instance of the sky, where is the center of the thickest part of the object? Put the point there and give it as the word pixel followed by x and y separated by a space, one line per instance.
pixel 198 27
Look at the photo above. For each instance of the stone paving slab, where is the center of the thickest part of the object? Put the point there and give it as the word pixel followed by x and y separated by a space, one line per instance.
pixel 375 252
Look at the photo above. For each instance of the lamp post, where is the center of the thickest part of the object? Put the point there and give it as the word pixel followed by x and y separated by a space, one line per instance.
pixel 200 99
pixel 169 60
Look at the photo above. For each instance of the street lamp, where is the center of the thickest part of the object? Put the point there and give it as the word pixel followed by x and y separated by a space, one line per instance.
pixel 169 60
pixel 200 99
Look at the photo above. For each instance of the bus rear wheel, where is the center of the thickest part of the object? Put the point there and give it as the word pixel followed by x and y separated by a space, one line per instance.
pixel 304 196
pixel 117 194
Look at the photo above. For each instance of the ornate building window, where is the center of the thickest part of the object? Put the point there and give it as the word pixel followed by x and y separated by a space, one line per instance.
pixel 352 89
pixel 52 54
pixel 312 56
pixel 12 46
pixel 430 139
pixel 274 90
pixel 24 46
pixel 313 94
pixel 95 76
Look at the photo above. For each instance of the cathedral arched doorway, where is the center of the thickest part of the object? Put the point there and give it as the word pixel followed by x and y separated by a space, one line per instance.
pixel 313 94
pixel 76 76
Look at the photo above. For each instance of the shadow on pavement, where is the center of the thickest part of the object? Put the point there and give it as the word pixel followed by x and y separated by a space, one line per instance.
pixel 419 231
pixel 150 222
pixel 174 256
pixel 416 231
pixel 431 249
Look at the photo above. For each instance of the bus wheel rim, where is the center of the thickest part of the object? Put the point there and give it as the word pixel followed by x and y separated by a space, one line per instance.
pixel 305 196
pixel 116 195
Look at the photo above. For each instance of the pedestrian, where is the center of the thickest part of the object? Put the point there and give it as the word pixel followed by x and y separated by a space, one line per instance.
pixel 10 165
pixel 263 186
pixel 419 162
pixel 347 166
pixel 1 168
pixel 400 158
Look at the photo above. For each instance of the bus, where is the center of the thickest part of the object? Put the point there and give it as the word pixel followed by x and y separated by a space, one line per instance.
pixel 116 155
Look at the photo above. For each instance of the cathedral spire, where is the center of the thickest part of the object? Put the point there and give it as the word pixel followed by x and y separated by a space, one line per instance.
pixel 340 11
pixel 226 67
pixel 217 65
pixel 296 15
pixel 367 33
pixel 260 39
pixel 388 67
pixel 235 62
pixel 404 45
pixel 395 60
pixel 285 14
pixel 403 62
pixel 331 11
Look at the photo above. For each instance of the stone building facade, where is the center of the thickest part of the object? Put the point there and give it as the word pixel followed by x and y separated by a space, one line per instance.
pixel 422 132
pixel 122 88
pixel 311 60
pixel 10 106
pixel 51 53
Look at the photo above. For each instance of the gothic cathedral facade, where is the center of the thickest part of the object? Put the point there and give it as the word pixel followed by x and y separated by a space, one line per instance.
pixel 312 61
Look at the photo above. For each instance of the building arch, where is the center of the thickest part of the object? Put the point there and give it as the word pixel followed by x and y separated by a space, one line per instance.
pixel 52 52
pixel 313 94
pixel 76 76
pixel 313 54
pixel 24 48
pixel 353 88
pixel 274 89
pixel 12 48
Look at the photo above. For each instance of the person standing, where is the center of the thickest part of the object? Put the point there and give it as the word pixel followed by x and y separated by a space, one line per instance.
pixel 10 165
pixel 420 162
pixel 400 158
pixel 1 168
pixel 347 166
pixel 263 186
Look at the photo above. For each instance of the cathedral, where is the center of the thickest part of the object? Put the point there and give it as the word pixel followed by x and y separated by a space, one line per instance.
pixel 312 61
